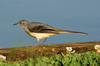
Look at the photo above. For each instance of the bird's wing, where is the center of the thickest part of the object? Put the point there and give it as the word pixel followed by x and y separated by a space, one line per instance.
pixel 41 28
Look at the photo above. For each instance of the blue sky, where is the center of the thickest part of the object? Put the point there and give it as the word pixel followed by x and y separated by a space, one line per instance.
pixel 76 15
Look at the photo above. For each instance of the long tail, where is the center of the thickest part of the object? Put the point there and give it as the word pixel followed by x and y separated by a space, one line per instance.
pixel 67 31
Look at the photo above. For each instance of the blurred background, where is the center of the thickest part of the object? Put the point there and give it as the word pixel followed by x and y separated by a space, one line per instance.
pixel 75 15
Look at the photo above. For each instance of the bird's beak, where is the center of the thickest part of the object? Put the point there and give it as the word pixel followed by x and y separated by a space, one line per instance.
pixel 16 24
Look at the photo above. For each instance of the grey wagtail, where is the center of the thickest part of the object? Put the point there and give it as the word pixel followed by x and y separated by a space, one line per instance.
pixel 42 31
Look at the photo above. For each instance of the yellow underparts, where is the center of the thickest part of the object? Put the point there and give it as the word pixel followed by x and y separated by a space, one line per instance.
pixel 41 35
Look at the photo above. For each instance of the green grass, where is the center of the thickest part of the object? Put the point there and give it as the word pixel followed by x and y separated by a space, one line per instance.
pixel 77 59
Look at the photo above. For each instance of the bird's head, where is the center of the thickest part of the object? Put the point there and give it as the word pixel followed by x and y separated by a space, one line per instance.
pixel 22 23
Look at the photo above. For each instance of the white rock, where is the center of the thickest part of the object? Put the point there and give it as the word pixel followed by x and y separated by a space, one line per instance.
pixel 69 49
pixel 2 57
pixel 97 47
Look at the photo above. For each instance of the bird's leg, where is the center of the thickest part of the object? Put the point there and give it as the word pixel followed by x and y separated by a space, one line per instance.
pixel 37 40
pixel 44 41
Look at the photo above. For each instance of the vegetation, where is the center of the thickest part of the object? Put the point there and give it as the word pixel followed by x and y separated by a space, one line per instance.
pixel 76 59
pixel 68 54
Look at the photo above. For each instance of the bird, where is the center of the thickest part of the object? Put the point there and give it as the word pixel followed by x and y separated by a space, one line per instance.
pixel 40 30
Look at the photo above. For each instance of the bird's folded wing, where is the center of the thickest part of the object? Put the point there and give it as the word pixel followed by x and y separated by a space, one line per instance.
pixel 42 29
pixel 48 31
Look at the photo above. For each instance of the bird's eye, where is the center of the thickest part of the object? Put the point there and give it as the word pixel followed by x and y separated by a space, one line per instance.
pixel 20 22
